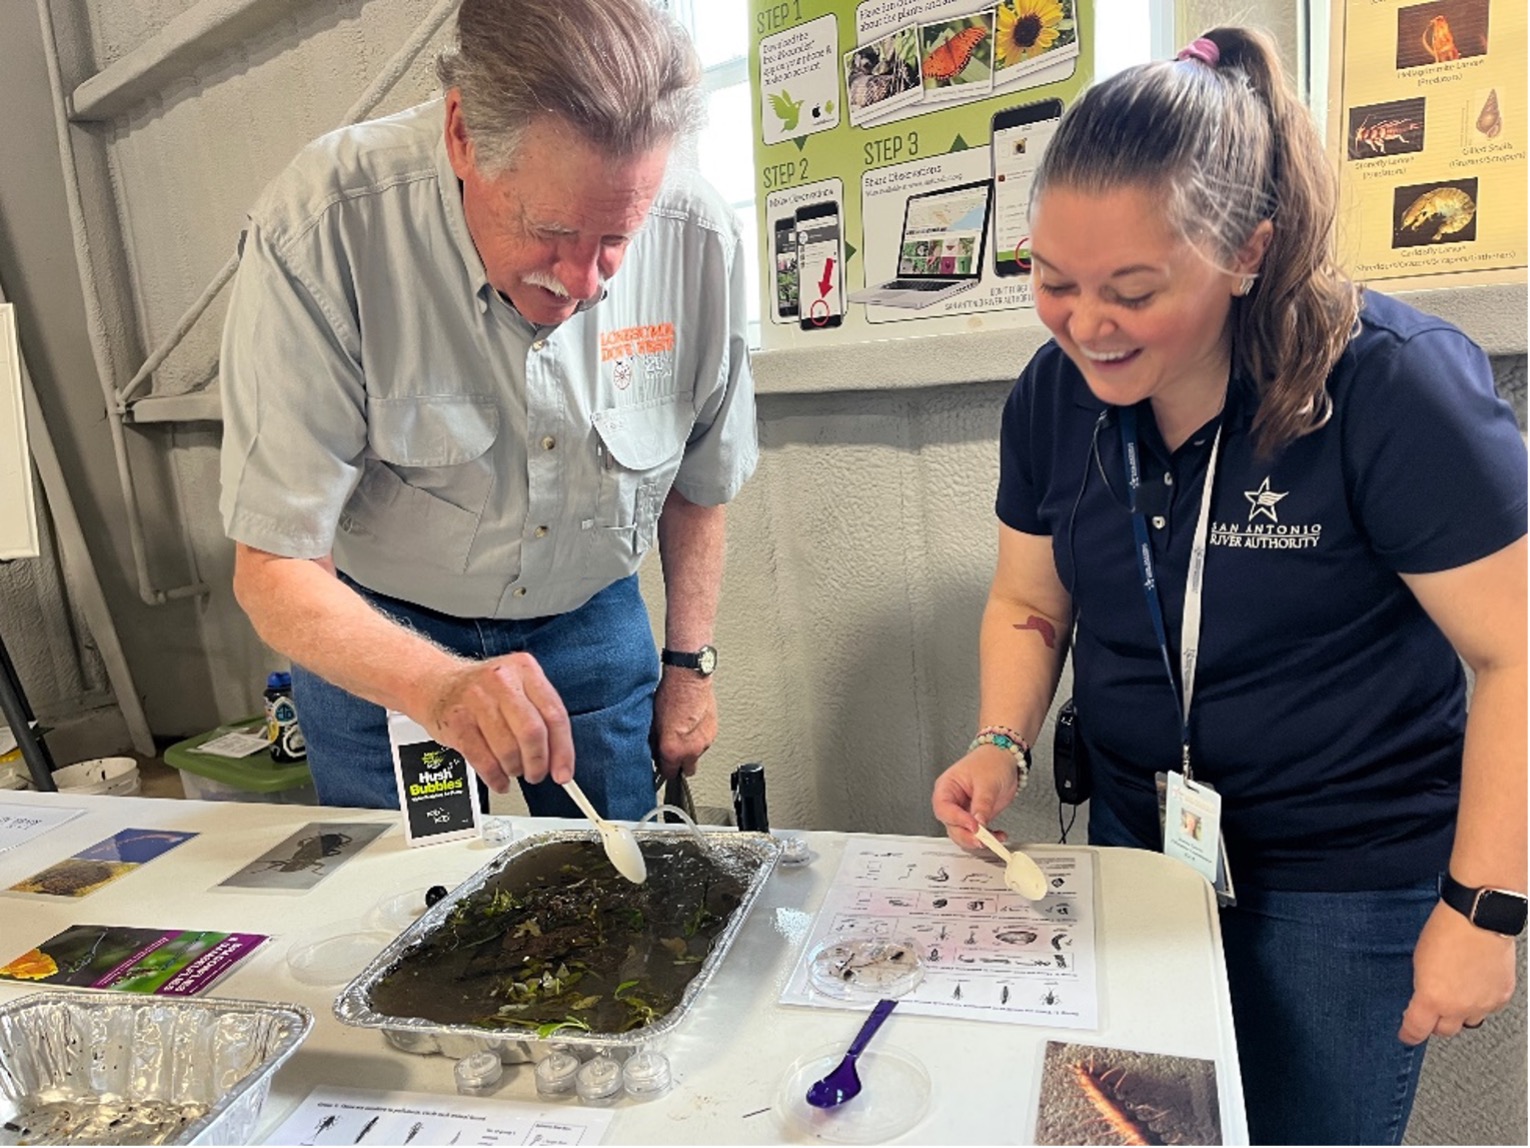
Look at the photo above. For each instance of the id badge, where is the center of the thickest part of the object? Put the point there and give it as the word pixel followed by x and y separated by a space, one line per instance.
pixel 1190 813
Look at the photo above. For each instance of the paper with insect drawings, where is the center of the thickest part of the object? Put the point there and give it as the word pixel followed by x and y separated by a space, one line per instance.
pixel 307 857
pixel 988 953
pixel 361 1116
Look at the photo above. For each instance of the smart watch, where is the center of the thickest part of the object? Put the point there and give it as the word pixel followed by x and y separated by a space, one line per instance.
pixel 1496 910
pixel 703 661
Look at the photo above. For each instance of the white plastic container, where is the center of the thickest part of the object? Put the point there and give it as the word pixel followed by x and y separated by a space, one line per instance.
pixel 116 776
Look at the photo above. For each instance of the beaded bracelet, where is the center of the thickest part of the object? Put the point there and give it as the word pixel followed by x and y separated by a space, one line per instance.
pixel 1006 738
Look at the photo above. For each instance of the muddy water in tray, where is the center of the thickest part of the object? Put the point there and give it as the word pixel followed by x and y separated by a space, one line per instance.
pixel 559 940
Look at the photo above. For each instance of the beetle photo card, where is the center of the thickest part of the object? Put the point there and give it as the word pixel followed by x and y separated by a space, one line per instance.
pixel 306 857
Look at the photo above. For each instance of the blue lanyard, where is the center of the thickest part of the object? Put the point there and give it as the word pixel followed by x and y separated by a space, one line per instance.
pixel 1190 630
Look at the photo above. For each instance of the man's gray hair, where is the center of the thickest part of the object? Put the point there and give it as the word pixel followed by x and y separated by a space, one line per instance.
pixel 620 72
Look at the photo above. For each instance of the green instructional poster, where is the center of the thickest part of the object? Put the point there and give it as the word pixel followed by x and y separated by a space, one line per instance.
pixel 894 146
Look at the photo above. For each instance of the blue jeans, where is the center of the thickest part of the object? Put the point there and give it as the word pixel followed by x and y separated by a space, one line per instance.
pixel 600 658
pixel 1319 982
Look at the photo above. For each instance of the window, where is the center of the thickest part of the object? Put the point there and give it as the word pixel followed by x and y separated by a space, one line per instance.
pixel 1126 32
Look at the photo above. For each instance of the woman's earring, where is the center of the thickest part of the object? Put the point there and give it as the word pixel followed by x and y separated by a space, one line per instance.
pixel 1245 285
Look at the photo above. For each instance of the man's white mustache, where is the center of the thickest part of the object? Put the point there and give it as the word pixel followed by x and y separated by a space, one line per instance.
pixel 545 281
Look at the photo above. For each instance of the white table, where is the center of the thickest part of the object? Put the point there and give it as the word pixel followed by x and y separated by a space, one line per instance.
pixel 1162 984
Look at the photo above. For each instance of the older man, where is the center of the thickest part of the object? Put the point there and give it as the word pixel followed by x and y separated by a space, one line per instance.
pixel 480 356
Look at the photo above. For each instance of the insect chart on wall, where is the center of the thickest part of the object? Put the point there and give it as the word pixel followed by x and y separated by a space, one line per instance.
pixel 988 953
pixel 1427 125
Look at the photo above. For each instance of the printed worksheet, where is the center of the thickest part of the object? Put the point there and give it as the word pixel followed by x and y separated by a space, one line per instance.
pixel 21 823
pixel 361 1116
pixel 987 953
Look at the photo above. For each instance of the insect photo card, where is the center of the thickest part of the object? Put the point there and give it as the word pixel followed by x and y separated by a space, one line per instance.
pixel 307 857
pixel 1096 1095
pixel 102 863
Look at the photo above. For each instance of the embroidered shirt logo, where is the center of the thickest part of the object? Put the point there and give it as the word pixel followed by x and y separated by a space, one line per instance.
pixel 640 361
pixel 1264 530
pixel 654 339
pixel 1263 501
pixel 621 374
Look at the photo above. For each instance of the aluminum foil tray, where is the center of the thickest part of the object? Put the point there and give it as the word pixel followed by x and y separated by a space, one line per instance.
pixel 102 1068
pixel 751 856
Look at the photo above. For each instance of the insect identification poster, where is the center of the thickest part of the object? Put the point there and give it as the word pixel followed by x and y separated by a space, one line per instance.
pixel 1427 123
pixel 437 789
pixel 307 857
pixel 895 141
pixel 164 962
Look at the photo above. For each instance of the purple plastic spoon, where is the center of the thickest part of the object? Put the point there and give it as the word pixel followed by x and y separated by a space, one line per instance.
pixel 844 1083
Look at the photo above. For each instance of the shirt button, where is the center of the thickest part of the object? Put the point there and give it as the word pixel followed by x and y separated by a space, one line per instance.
pixel 520 591
pixel 1158 521
pixel 548 442
pixel 1168 479
pixel 541 532
pixel 539 344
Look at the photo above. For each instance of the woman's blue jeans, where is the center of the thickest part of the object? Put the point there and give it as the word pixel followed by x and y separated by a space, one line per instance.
pixel 1319 982
pixel 600 658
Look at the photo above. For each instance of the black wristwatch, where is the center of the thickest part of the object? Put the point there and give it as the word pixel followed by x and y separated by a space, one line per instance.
pixel 703 661
pixel 1496 910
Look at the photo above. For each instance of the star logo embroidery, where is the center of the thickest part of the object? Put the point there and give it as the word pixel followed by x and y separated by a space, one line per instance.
pixel 1263 501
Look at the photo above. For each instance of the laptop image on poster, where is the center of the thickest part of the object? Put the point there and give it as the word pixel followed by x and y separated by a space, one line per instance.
pixel 940 251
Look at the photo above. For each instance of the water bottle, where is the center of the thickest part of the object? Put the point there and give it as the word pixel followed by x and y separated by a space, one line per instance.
pixel 282 730
pixel 748 785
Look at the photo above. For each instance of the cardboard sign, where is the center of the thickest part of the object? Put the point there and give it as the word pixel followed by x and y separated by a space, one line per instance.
pixel 437 789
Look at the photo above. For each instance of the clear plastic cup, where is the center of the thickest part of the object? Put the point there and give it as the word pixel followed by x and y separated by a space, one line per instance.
pixel 555 1075
pixel 599 1081
pixel 478 1074
pixel 646 1075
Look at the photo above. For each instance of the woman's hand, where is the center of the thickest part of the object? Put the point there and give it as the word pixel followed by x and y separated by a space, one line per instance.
pixel 974 791
pixel 1461 974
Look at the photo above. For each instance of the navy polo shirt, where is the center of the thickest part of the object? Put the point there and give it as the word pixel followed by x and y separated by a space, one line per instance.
pixel 1329 710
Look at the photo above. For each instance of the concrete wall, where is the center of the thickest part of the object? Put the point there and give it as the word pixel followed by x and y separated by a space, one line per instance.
pixel 859 556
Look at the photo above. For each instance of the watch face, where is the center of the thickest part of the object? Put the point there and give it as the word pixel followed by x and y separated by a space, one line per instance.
pixel 706 660
pixel 1500 912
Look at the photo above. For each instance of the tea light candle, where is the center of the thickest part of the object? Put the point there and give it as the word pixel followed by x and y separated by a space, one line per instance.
pixel 478 1074
pixel 646 1075
pixel 555 1075
pixel 599 1081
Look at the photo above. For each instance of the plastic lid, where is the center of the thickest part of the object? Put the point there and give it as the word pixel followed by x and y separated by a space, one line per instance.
pixel 865 968
pixel 646 1075
pixel 555 1074
pixel 335 960
pixel 278 680
pixel 480 1070
pixel 894 1097
pixel 598 1079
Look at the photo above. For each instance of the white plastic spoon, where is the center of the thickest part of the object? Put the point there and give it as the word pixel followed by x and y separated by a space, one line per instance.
pixel 620 844
pixel 1021 874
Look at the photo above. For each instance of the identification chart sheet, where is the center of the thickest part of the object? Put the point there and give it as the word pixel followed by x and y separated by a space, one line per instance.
pixel 361 1116
pixel 988 953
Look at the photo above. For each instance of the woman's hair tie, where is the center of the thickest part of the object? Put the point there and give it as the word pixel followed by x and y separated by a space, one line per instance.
pixel 1202 49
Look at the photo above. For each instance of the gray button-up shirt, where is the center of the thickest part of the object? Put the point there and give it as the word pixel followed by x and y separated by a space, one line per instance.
pixel 384 404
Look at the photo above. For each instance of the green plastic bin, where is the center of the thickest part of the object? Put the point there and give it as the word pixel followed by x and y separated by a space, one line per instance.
pixel 208 777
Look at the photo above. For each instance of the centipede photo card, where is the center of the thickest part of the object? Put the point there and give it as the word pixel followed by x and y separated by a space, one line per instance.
pixel 1096 1095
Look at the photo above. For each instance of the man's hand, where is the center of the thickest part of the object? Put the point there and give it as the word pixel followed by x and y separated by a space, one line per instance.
pixel 1460 975
pixel 973 792
pixel 504 716
pixel 684 721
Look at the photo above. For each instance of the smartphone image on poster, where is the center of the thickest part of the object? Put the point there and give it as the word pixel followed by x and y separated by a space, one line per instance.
pixel 1020 137
pixel 785 255
pixel 820 295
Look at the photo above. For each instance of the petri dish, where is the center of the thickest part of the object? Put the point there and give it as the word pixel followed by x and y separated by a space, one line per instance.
pixel 894 1097
pixel 337 959
pixel 859 968
pixel 397 911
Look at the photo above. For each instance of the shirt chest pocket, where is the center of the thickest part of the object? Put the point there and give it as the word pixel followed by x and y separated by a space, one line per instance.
pixel 641 449
pixel 427 478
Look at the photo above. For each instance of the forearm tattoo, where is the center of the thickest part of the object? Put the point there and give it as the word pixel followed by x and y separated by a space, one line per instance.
pixel 1041 626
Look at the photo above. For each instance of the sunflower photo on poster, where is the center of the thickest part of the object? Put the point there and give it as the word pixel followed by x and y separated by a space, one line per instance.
pixel 1030 35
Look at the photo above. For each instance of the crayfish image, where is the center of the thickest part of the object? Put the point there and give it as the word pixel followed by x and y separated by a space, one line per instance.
pixel 1448 209
pixel 1379 135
